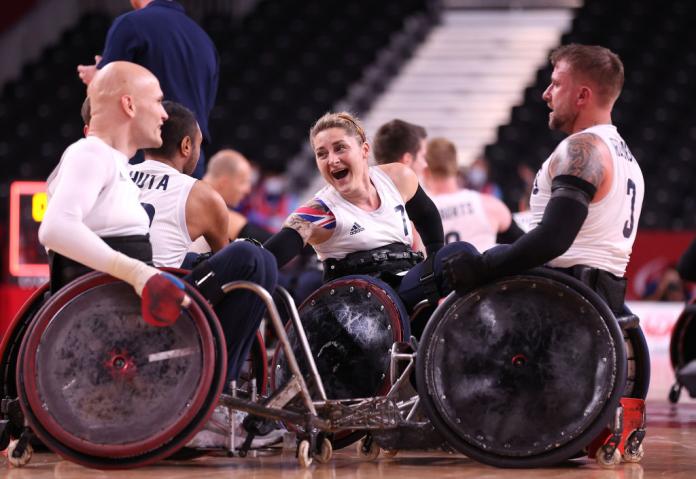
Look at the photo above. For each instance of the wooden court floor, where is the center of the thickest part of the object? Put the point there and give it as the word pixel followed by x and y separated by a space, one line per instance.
pixel 670 453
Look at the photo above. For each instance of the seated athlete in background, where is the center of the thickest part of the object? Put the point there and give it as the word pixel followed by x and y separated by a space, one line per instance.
pixel 467 215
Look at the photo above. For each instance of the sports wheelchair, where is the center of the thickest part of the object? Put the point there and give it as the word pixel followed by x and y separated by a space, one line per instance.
pixel 683 353
pixel 528 371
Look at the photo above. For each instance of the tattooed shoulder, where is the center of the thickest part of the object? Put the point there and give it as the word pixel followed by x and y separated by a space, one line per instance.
pixel 581 156
pixel 311 215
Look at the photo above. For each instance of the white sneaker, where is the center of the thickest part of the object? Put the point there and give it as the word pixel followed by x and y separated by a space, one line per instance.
pixel 216 434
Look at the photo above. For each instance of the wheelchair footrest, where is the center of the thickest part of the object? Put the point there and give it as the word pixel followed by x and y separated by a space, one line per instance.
pixel 629 434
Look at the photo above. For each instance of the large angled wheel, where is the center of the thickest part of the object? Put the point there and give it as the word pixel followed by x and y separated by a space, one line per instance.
pixel 12 340
pixel 104 389
pixel 638 364
pixel 682 346
pixel 351 324
pixel 523 372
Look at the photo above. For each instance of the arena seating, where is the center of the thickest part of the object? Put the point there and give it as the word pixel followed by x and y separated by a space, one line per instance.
pixel 279 73
pixel 653 114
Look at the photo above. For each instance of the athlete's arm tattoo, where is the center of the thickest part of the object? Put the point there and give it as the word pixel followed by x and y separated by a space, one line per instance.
pixel 581 157
pixel 311 215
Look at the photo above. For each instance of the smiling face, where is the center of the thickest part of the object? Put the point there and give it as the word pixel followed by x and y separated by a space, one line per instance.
pixel 561 96
pixel 342 160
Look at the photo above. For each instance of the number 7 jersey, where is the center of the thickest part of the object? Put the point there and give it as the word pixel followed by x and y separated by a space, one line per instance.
pixel 606 238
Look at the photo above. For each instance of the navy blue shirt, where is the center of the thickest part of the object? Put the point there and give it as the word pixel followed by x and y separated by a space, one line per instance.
pixel 175 49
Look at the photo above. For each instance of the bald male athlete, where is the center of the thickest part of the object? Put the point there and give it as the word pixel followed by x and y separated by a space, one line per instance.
pixel 94 212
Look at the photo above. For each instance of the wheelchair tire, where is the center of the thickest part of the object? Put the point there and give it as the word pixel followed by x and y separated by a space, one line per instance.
pixel 507 378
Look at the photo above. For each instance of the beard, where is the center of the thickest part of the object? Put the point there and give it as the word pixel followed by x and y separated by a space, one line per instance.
pixel 561 122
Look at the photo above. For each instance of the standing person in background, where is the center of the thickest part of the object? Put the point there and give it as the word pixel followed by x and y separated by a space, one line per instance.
pixel 467 215
pixel 587 196
pixel 402 142
pixel 159 36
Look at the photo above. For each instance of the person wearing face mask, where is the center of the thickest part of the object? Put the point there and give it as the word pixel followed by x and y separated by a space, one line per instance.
pixel 365 212
pixel 476 178
pixel 269 202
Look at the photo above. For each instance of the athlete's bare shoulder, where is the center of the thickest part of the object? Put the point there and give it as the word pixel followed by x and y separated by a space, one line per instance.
pixel 314 221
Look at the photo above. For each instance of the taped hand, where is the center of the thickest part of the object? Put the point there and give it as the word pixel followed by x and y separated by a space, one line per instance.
pixel 162 299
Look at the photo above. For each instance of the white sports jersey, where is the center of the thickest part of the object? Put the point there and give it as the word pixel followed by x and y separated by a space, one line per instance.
pixel 91 196
pixel 360 230
pixel 116 210
pixel 606 238
pixel 464 219
pixel 163 193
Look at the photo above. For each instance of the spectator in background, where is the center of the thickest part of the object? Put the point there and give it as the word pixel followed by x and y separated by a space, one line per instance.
pixel 668 287
pixel 467 215
pixel 402 142
pixel 159 36
pixel 687 263
pixel 270 202
pixel 477 178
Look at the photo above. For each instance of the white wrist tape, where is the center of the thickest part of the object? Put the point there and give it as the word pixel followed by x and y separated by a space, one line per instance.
pixel 132 271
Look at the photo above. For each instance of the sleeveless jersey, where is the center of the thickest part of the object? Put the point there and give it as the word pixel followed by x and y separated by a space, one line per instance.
pixel 360 230
pixel 606 238
pixel 163 193
pixel 464 219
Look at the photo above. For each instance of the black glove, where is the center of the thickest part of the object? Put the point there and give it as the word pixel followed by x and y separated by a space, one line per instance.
pixel 465 271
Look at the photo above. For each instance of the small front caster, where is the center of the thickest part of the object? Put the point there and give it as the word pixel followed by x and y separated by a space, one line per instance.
pixel 325 452
pixel 17 459
pixel 606 459
pixel 303 456
pixel 367 449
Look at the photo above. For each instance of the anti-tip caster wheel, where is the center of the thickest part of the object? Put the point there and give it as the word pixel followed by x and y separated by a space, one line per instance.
pixel 674 393
pixel 389 453
pixel 368 453
pixel 303 456
pixel 21 460
pixel 634 456
pixel 606 460
pixel 325 452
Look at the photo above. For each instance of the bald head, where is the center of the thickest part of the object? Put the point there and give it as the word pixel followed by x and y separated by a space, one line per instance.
pixel 229 173
pixel 126 107
pixel 116 81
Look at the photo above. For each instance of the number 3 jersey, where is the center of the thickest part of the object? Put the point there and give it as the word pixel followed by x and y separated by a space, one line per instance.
pixel 360 230
pixel 606 238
